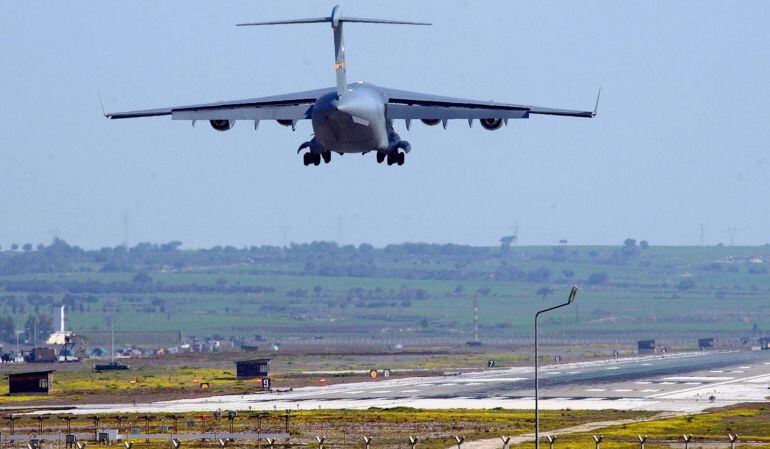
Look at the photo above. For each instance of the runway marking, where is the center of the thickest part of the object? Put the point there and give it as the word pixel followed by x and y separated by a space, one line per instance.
pixel 643 382
pixel 611 367
pixel 709 386
pixel 693 383
pixel 622 390
pixel 410 391
pixel 667 383
pixel 470 384
pixel 596 390
pixel 380 391
pixel 646 364
pixel 352 392
pixel 716 371
pixel 737 372
pixel 650 390
pixel 697 378
pixel 744 367
pixel 574 372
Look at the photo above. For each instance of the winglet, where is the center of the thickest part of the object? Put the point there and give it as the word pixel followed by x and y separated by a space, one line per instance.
pixel 101 104
pixel 596 107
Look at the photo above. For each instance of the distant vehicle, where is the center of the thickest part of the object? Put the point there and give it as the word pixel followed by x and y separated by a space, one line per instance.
pixel 112 366
pixel 352 118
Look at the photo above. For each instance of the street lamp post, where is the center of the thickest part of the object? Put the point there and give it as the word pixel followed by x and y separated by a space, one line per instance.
pixel 570 298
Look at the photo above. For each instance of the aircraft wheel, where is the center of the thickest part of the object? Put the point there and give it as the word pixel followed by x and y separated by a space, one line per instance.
pixel 380 157
pixel 391 159
pixel 316 159
pixel 401 157
pixel 327 155
pixel 306 159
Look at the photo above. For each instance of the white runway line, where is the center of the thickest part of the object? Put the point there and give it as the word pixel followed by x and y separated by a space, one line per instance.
pixel 596 390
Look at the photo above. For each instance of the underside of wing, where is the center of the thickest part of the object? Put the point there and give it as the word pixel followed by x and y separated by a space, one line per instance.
pixel 415 105
pixel 294 106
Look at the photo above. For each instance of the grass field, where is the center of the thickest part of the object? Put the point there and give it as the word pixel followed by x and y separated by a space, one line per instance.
pixel 663 292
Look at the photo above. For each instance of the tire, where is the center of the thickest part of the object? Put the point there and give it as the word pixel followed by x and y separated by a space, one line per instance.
pixel 391 160
pixel 327 155
pixel 401 158
pixel 380 157
pixel 316 160
pixel 306 159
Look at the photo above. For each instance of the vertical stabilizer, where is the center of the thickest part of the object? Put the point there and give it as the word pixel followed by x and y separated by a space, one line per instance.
pixel 339 52
pixel 336 20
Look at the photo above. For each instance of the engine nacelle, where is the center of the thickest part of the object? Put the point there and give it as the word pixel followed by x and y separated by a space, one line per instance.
pixel 222 125
pixel 431 121
pixel 491 124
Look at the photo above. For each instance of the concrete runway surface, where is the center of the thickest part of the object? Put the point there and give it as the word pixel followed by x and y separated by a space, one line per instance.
pixel 675 382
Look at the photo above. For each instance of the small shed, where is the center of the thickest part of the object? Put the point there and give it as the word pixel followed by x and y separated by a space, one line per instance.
pixel 252 369
pixel 646 347
pixel 34 382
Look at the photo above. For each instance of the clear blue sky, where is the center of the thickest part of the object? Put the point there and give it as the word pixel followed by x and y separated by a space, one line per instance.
pixel 681 139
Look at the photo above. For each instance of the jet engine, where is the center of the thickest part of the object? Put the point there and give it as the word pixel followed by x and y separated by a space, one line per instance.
pixel 491 124
pixel 222 125
pixel 285 122
pixel 431 121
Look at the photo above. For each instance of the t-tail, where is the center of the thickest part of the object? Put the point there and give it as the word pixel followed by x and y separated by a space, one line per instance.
pixel 336 19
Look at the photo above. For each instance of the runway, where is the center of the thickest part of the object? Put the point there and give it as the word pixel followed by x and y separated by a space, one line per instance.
pixel 688 382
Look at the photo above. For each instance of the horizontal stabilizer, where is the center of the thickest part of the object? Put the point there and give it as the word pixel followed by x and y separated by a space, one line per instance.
pixel 287 22
pixel 388 22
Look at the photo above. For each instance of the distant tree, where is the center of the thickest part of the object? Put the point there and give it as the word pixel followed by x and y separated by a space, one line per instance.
pixel 643 244
pixel 544 292
pixel 686 284
pixel 568 273
pixel 629 242
pixel 539 275
pixel 318 290
pixel 459 290
pixel 597 278
pixel 142 277
pixel 27 247
pixel 484 291
pixel 14 247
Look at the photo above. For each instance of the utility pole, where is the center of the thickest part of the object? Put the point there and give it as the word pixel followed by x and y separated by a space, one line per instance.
pixel 475 318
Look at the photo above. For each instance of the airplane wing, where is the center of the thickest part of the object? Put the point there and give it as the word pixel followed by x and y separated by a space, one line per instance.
pixel 414 105
pixel 294 106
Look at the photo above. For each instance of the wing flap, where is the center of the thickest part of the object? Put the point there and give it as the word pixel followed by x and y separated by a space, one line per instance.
pixel 416 112
pixel 285 112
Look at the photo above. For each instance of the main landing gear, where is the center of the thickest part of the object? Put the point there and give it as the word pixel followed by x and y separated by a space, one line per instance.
pixel 394 157
pixel 311 158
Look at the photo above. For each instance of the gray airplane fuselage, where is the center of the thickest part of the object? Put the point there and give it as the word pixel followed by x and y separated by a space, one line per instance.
pixel 352 123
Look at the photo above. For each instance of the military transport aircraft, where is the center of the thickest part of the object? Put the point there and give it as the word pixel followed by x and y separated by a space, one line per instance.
pixel 352 118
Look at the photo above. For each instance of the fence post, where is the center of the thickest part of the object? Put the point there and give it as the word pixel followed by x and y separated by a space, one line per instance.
pixel 413 441
pixel 598 440
pixel 642 439
pixel 460 441
pixel 506 440
pixel 733 439
pixel 551 440
pixel 367 441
